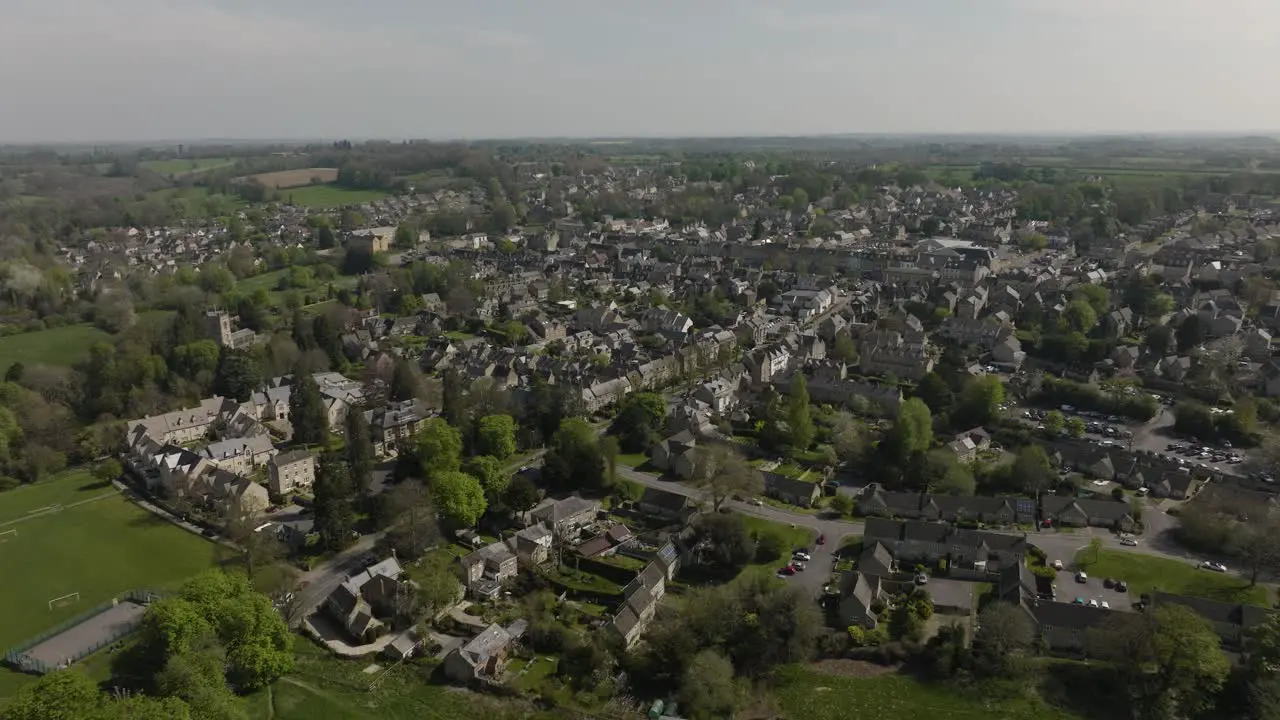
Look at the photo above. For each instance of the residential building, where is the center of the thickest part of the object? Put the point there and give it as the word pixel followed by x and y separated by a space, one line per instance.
pixel 291 471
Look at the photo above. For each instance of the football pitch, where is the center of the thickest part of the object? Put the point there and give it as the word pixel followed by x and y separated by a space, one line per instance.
pixel 67 545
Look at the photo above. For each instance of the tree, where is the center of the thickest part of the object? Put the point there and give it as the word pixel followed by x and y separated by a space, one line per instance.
pixel 359 449
pixel 334 512
pixel 258 549
pixel 1075 427
pixel 724 544
pixel 844 349
pixel 848 438
pixel 307 413
pixel 405 384
pixel 1032 468
pixel 935 393
pixel 1169 657
pixel 1080 316
pixel 324 237
pixel 1054 421
pixel 1255 543
pixel 438 585
pixel 459 497
pixel 1098 297
pixel 799 420
pixel 720 471
pixel 237 375
pixel 609 452
pixel 955 479
pixel 1004 632
pixel 521 494
pixel 62 695
pixel 574 460
pixel 496 436
pixel 412 519
pixel 842 504
pixel 108 470
pixel 708 688
pixel 638 421
pixel 198 679
pixel 1190 333
pixel 980 401
pixel 405 237
pixel 438 447
pixel 493 477
pixel 912 431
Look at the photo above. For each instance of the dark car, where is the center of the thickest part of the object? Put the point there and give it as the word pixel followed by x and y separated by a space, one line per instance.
pixel 1122 586
pixel 1108 583
pixel 207 532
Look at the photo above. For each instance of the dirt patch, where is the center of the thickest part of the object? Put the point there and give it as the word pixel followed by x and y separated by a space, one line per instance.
pixel 296 178
pixel 851 668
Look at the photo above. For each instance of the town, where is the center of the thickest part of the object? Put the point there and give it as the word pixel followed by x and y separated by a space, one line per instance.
pixel 700 435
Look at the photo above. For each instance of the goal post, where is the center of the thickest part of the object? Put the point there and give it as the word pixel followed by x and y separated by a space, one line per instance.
pixel 65 600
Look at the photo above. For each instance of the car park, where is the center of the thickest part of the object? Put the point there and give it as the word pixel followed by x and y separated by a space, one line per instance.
pixel 787 570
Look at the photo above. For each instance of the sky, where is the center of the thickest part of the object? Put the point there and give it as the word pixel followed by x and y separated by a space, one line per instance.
pixel 140 70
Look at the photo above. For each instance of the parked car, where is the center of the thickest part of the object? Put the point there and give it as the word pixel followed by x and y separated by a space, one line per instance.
pixel 1057 564
pixel 1128 542
pixel 801 554
pixel 799 566
pixel 1104 605
pixel 1214 566
pixel 1108 583
pixel 1093 602
pixel 1122 586
pixel 1082 577
pixel 822 540
pixel 922 579
pixel 787 570
pixel 756 501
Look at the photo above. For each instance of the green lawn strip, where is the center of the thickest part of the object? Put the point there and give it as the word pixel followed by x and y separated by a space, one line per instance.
pixel 184 166
pixel 808 694
pixel 66 345
pixel 633 460
pixel 98 550
pixel 1146 573
pixel 63 489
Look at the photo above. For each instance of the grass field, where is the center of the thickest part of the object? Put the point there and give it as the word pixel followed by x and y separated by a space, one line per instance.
pixel 805 693
pixel 1145 573
pixel 322 687
pixel 186 166
pixel 64 489
pixel 98 549
pixel 329 196
pixel 296 178
pixel 57 346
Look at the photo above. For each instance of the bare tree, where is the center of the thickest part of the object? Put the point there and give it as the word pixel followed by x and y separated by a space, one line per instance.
pixel 413 526
pixel 1257 543
pixel 722 472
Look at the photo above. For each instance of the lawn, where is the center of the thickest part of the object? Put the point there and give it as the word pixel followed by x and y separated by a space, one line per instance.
pixel 1146 573
pixel 186 166
pixel 57 346
pixel 792 538
pixel 99 550
pixel 64 489
pixel 633 460
pixel 806 693
pixel 329 196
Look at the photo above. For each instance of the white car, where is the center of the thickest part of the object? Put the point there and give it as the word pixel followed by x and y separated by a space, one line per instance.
pixel 1082 577
pixel 1214 566
pixel 801 555
pixel 756 501
pixel 1104 605
pixel 1128 542
pixel 1057 564
pixel 1093 602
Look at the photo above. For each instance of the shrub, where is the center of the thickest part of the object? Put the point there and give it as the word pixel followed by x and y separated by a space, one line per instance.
pixel 769 547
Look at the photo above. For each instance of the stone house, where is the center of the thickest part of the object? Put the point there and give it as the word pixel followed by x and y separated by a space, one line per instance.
pixel 289 471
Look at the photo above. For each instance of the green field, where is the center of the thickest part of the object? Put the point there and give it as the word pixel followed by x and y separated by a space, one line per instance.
pixel 186 166
pixel 57 346
pixel 804 693
pixel 1146 573
pixel 98 549
pixel 328 196
pixel 64 489
pixel 322 687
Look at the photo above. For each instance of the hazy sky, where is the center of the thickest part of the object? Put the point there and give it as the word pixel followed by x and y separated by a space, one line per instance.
pixel 83 70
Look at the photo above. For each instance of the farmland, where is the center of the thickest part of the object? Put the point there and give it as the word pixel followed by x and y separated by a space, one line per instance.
pixel 93 548
pixel 66 345
pixel 187 166
pixel 329 196
pixel 296 178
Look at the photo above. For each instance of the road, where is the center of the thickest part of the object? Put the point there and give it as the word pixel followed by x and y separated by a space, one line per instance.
pixel 1059 545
